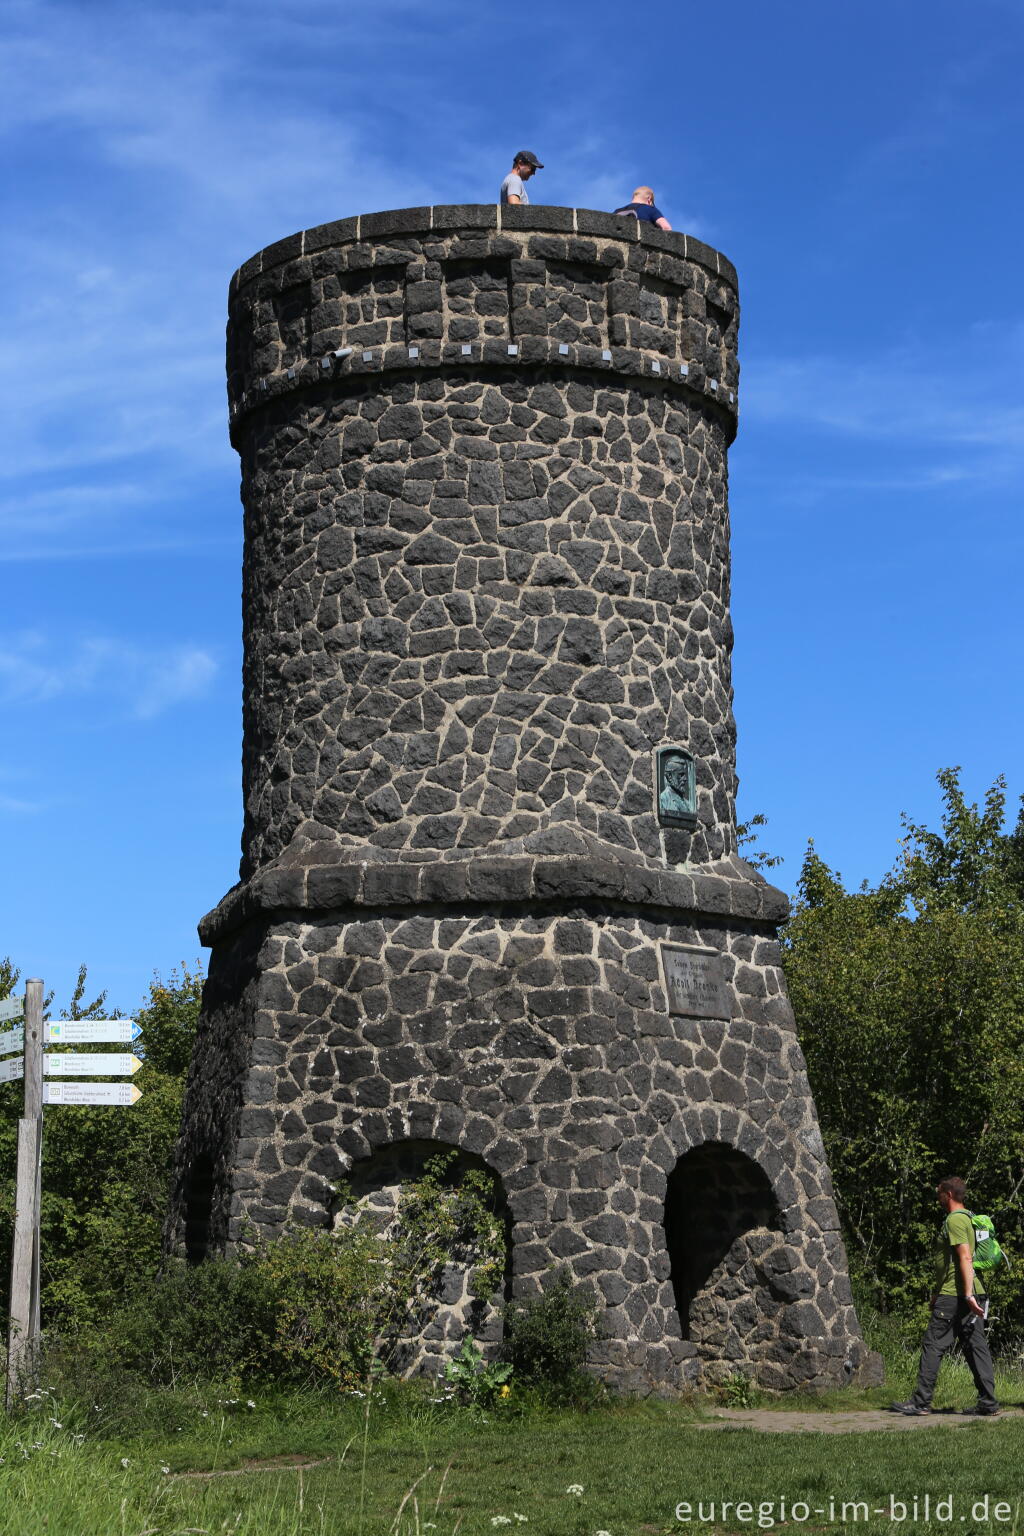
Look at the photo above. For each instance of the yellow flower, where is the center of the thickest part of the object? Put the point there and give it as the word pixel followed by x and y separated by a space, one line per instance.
pixel 505 1391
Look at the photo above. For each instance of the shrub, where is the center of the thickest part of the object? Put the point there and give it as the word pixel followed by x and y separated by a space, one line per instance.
pixel 546 1339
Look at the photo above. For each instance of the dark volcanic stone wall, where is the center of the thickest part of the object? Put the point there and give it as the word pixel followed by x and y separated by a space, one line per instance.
pixel 500 595
pixel 486 578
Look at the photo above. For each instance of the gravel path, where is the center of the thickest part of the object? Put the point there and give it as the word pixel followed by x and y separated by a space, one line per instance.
pixel 780 1422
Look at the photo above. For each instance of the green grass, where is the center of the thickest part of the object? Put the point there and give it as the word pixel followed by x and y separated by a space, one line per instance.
pixel 82 1470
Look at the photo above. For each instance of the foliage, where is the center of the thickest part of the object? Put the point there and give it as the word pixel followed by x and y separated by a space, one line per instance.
pixel 313 1307
pixel 909 999
pixel 337 1303
pixel 347 1301
pixel 448 1215
pixel 105 1169
pixel 746 841
pixel 739 1391
pixel 477 1381
pixel 79 1009
pixel 189 1323
pixel 547 1338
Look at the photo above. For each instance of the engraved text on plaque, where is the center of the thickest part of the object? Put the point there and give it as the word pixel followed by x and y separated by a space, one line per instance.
pixel 695 982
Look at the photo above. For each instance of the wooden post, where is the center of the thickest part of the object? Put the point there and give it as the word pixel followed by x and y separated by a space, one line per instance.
pixel 23 1333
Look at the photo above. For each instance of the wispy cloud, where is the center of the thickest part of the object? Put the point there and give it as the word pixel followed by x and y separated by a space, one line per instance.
pixel 959 411
pixel 142 683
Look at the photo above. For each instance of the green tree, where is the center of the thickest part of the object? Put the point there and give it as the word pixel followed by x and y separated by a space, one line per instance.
pixel 105 1170
pixel 909 999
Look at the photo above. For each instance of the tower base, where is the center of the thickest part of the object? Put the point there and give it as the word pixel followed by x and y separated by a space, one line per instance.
pixel 519 1010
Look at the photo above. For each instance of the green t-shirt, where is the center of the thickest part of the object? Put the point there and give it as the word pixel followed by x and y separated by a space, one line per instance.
pixel 957 1228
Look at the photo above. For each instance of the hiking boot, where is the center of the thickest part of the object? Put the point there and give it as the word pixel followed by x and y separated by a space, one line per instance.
pixel 911 1410
pixel 980 1412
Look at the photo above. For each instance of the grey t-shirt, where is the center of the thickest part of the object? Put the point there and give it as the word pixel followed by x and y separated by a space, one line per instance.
pixel 516 186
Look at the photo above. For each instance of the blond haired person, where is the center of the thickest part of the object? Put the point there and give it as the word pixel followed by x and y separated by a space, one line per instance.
pixel 642 208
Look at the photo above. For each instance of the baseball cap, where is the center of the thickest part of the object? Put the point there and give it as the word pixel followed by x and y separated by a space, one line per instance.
pixel 527 156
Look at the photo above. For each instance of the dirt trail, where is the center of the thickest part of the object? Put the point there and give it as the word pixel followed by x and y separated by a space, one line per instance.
pixel 780 1422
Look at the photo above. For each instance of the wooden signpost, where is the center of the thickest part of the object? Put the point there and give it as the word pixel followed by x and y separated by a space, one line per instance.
pixel 29 1039
pixel 23 1333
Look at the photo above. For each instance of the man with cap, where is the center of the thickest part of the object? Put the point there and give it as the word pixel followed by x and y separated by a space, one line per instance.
pixel 513 188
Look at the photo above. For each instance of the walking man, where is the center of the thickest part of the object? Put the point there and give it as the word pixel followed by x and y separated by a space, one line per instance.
pixel 513 188
pixel 642 208
pixel 959 1307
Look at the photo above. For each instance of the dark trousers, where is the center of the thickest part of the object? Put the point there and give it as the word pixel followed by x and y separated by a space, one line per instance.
pixel 952 1321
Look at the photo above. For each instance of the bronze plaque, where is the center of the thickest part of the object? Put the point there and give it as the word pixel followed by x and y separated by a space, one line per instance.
pixel 695 984
pixel 675 774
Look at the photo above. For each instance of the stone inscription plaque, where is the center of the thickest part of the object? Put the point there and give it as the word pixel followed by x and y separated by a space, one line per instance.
pixel 695 984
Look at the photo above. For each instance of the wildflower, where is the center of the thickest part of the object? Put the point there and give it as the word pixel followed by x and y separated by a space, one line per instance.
pixel 33 1397
pixel 602 1533
pixel 165 1470
pixel 523 1519
pixel 250 1404
pixel 505 1391
pixel 575 1488
pixel 56 1424
pixel 125 1462
pixel 500 1520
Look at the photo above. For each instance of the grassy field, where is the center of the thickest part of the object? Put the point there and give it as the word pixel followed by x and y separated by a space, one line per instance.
pixel 306 1464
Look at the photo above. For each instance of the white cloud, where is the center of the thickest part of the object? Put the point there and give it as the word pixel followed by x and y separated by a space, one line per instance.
pixel 964 396
pixel 36 669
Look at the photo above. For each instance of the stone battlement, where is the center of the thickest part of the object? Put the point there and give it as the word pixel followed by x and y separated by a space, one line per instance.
pixel 427 288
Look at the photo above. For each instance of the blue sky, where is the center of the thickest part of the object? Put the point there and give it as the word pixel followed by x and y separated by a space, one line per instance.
pixel 860 164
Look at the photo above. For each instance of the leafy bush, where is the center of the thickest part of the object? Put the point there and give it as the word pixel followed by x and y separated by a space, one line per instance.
pixel 215 1321
pixel 312 1307
pixel 909 1001
pixel 447 1215
pixel 547 1338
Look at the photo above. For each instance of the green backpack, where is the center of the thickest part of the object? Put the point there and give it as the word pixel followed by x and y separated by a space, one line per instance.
pixel 987 1253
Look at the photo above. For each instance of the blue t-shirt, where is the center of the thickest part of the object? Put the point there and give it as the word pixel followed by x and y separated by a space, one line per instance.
pixel 646 212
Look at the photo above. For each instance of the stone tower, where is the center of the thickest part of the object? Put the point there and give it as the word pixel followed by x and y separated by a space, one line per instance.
pixel 490 897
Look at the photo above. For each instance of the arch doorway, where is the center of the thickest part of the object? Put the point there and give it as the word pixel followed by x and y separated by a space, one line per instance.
pixel 721 1219
pixel 445 1211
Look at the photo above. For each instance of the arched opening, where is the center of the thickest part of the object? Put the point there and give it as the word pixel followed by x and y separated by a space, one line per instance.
pixel 721 1220
pixel 198 1207
pixel 445 1220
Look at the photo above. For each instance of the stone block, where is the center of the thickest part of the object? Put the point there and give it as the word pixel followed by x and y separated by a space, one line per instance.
pixel 537 216
pixel 612 226
pixel 333 885
pixel 338 232
pixel 394 221
pixel 281 251
pixel 391 884
pixel 465 216
pixel 665 240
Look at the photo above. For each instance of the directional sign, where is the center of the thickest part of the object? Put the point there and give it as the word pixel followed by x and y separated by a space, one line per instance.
pixel 92 1032
pixel 94 1064
pixel 9 1070
pixel 12 1040
pixel 11 1008
pixel 91 1093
